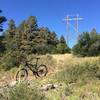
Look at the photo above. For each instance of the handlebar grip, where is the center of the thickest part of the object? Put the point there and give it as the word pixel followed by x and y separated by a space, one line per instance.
pixel 34 58
pixel 37 58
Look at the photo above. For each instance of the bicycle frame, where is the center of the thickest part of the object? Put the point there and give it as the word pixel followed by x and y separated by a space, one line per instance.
pixel 33 67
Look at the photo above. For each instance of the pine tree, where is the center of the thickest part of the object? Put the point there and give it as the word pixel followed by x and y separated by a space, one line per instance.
pixel 2 47
pixel 2 20
pixel 25 42
pixel 93 32
pixel 20 30
pixel 88 44
pixel 94 35
pixel 11 31
pixel 28 30
pixel 40 41
pixel 32 23
pixel 32 27
pixel 52 38
pixel 62 46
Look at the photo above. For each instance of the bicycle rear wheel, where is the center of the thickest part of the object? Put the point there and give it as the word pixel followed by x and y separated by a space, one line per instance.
pixel 21 75
pixel 42 70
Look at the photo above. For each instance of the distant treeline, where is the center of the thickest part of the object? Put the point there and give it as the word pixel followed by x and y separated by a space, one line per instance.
pixel 88 44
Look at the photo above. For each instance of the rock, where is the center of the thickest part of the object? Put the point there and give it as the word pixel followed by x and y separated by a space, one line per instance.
pixel 49 86
pixel 56 86
pixel 12 83
pixel 44 88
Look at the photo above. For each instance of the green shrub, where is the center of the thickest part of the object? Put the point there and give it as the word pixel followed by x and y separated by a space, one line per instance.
pixel 12 59
pixel 23 92
pixel 78 72
pixel 68 91
pixel 94 49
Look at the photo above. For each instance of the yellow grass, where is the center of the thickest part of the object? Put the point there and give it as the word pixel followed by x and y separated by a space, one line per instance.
pixel 54 63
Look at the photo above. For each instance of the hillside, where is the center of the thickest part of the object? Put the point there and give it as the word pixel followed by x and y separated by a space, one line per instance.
pixel 76 78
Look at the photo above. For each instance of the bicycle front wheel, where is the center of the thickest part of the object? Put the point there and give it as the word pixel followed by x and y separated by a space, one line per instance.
pixel 21 75
pixel 42 70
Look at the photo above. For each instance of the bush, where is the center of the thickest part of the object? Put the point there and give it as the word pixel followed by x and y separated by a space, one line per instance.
pixel 68 91
pixel 78 72
pixel 94 49
pixel 12 59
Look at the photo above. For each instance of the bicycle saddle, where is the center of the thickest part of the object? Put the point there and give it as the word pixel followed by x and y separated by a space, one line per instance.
pixel 37 58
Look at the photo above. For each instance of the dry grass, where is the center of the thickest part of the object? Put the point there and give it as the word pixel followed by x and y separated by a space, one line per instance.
pixel 54 63
pixel 67 60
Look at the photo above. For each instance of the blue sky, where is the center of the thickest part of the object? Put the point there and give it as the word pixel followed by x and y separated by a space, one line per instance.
pixel 50 13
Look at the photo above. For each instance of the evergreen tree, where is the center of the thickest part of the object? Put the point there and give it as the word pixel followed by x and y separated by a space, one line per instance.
pixel 62 46
pixel 20 30
pixel 28 31
pixel 2 20
pixel 52 38
pixel 32 23
pixel 94 49
pixel 52 42
pixel 84 43
pixel 94 35
pixel 40 41
pixel 32 27
pixel 10 40
pixel 11 31
pixel 88 44
pixel 2 47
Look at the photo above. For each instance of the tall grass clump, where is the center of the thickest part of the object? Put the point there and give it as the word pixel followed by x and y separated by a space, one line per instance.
pixel 85 71
pixel 22 92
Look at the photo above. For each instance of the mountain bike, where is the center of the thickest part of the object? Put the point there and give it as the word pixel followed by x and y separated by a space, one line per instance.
pixel 37 70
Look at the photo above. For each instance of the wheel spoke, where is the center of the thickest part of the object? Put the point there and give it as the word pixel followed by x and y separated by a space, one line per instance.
pixel 21 75
pixel 42 71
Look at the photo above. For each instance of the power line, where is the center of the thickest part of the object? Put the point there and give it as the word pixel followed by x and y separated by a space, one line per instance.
pixel 68 20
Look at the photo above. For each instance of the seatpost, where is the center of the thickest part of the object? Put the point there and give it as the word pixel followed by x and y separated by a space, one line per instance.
pixel 37 60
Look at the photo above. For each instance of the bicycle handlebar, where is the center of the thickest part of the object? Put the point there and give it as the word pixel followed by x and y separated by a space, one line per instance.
pixel 37 58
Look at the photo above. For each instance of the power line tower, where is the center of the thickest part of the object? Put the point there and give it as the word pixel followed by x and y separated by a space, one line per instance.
pixel 68 20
